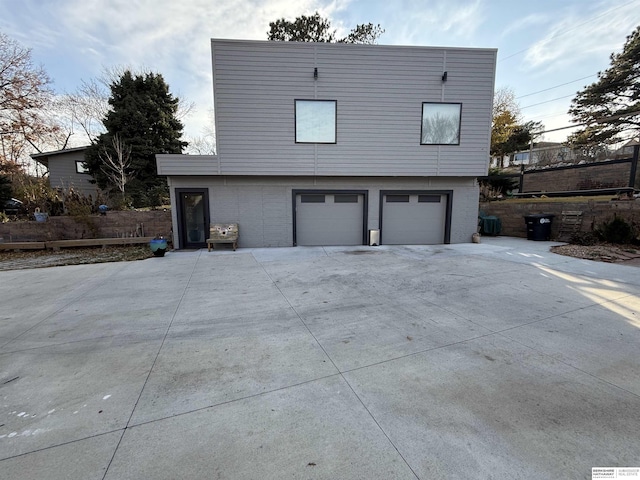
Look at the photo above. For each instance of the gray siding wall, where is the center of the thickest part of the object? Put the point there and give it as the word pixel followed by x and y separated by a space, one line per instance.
pixel 175 164
pixel 379 92
pixel 262 206
pixel 62 173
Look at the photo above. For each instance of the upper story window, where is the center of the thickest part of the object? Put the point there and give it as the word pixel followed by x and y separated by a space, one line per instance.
pixel 440 123
pixel 81 167
pixel 315 121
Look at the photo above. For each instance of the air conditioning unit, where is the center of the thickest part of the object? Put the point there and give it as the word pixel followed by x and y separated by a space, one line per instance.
pixel 374 238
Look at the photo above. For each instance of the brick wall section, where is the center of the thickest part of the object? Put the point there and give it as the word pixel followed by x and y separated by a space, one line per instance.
pixel 594 213
pixel 607 175
pixel 114 224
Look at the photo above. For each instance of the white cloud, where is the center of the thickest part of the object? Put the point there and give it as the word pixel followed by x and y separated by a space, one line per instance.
pixel 76 39
pixel 581 35
pixel 429 22
pixel 519 25
pixel 166 36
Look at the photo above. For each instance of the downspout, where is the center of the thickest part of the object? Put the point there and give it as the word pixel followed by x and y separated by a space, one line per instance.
pixel 634 166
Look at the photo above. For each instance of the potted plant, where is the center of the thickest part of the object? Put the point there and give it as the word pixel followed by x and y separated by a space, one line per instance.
pixel 158 245
pixel 40 216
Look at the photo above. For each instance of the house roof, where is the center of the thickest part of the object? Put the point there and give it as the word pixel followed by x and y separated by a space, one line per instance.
pixel 342 46
pixel 43 157
pixel 546 144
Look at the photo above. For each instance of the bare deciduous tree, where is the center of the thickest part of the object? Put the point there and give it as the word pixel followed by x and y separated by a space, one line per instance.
pixel 24 97
pixel 204 144
pixel 116 164
pixel 85 110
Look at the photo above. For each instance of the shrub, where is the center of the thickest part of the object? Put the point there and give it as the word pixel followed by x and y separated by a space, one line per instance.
pixel 157 196
pixel 487 192
pixel 616 231
pixel 5 189
pixel 35 192
pixel 584 238
pixel 497 184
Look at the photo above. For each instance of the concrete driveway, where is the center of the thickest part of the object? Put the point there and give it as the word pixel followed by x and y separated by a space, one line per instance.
pixel 498 360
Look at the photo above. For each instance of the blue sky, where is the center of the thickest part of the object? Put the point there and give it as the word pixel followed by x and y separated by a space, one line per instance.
pixel 541 44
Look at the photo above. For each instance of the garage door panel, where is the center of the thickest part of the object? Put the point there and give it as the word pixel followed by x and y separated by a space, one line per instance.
pixel 329 219
pixel 413 219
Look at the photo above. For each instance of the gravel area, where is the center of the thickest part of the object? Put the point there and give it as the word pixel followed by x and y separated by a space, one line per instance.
pixel 627 254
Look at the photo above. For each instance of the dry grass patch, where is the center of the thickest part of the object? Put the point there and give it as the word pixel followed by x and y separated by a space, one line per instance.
pixel 10 260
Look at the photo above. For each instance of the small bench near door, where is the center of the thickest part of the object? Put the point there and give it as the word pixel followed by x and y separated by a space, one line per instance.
pixel 223 233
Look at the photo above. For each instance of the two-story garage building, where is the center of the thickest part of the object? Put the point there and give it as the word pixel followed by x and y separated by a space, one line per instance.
pixel 318 143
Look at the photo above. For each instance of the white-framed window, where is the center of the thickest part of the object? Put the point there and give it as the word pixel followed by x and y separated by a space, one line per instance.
pixel 316 121
pixel 81 167
pixel 440 123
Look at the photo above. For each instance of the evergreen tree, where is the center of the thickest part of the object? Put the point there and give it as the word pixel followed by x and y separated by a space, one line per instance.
pixel 611 105
pixel 314 28
pixel 142 114
pixel 5 190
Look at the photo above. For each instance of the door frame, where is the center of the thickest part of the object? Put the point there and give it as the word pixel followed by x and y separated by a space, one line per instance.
pixel 182 234
pixel 447 193
pixel 365 206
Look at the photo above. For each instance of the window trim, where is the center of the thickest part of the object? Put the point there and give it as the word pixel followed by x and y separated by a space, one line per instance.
pixel 81 162
pixel 295 121
pixel 459 122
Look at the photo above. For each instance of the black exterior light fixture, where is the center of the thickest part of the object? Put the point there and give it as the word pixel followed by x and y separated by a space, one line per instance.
pixel 315 73
pixel 444 77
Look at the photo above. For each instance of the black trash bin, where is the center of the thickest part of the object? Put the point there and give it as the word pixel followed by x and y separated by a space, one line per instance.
pixel 539 226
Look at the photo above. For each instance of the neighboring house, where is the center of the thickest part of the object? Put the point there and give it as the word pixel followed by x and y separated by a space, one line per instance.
pixel 552 153
pixel 319 143
pixel 626 151
pixel 67 169
pixel 544 153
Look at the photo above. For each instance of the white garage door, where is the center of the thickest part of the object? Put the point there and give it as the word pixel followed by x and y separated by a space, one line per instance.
pixel 413 219
pixel 329 219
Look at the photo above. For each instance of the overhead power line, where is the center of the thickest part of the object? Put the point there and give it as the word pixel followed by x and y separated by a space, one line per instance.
pixel 548 101
pixel 556 35
pixel 597 120
pixel 552 115
pixel 556 86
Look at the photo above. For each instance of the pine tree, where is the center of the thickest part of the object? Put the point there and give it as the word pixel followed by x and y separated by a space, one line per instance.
pixel 315 28
pixel 611 105
pixel 142 113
